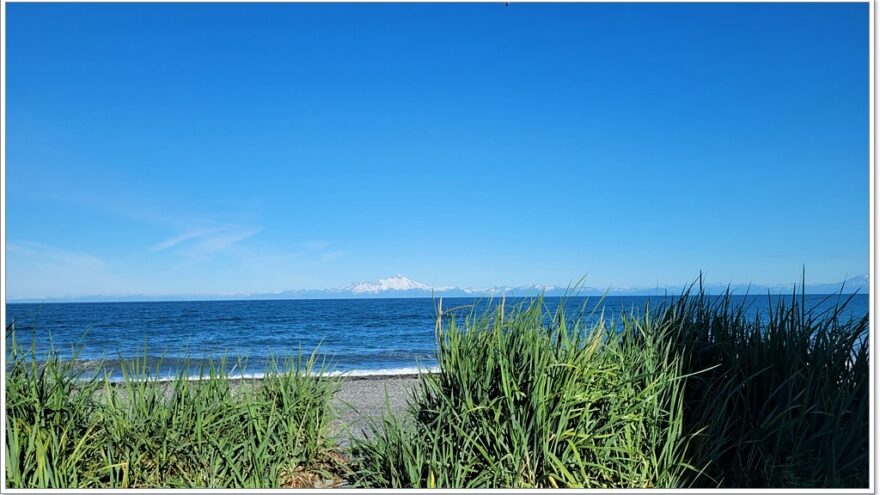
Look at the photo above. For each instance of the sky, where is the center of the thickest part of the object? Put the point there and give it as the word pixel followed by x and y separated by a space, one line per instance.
pixel 228 148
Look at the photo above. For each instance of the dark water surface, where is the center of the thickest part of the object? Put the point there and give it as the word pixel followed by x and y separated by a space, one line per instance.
pixel 363 336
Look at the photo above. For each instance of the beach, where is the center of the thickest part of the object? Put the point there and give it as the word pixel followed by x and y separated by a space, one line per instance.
pixel 362 399
pixel 359 400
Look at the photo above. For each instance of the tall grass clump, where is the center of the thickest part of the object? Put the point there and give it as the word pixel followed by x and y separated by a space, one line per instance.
pixel 70 430
pixel 51 414
pixel 692 391
pixel 776 401
pixel 531 399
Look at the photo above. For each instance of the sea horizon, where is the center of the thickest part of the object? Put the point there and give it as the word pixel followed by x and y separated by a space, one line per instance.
pixel 400 287
pixel 374 336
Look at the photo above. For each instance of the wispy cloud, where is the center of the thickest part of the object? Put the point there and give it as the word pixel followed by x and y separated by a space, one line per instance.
pixel 183 237
pixel 219 241
pixel 40 270
pixel 203 241
pixel 53 255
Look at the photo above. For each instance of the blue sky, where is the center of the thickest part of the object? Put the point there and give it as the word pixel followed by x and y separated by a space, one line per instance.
pixel 212 149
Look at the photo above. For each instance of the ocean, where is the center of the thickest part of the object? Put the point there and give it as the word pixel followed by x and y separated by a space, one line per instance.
pixel 355 336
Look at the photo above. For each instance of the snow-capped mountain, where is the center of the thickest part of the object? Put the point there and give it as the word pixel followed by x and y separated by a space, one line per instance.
pixel 400 286
pixel 395 283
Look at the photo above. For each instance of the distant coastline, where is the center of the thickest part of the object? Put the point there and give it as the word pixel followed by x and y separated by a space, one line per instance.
pixel 399 287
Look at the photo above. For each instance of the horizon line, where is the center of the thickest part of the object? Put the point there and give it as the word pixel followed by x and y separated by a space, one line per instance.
pixel 572 290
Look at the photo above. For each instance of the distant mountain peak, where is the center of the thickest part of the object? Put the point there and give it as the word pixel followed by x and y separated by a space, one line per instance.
pixel 395 283
pixel 399 286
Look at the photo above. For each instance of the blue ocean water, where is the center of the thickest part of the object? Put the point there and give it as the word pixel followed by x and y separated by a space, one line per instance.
pixel 360 336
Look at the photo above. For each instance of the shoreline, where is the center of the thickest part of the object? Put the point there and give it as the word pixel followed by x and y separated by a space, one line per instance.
pixel 258 377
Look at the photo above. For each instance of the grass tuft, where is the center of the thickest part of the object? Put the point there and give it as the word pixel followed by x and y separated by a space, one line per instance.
pixel 532 399
pixel 691 392
pixel 66 429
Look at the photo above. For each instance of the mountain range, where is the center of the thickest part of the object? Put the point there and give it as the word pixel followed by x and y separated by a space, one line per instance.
pixel 400 286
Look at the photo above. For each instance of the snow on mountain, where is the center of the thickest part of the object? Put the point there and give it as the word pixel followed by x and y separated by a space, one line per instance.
pixel 399 286
pixel 395 283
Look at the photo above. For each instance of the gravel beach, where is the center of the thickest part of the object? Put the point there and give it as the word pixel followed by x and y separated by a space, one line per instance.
pixel 359 400
pixel 363 398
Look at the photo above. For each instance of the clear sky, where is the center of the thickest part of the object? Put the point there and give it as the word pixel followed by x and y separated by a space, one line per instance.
pixel 211 149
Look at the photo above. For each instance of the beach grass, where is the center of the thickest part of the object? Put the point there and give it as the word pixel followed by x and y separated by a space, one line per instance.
pixel 70 428
pixel 775 402
pixel 531 399
pixel 690 393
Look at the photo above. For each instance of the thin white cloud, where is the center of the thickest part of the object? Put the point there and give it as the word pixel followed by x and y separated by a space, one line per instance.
pixel 199 243
pixel 221 240
pixel 183 237
pixel 38 270
pixel 52 254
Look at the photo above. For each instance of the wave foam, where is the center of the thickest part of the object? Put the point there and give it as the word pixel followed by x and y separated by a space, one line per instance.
pixel 345 373
pixel 385 371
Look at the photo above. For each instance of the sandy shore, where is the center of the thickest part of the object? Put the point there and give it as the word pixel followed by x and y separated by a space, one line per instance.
pixel 362 398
